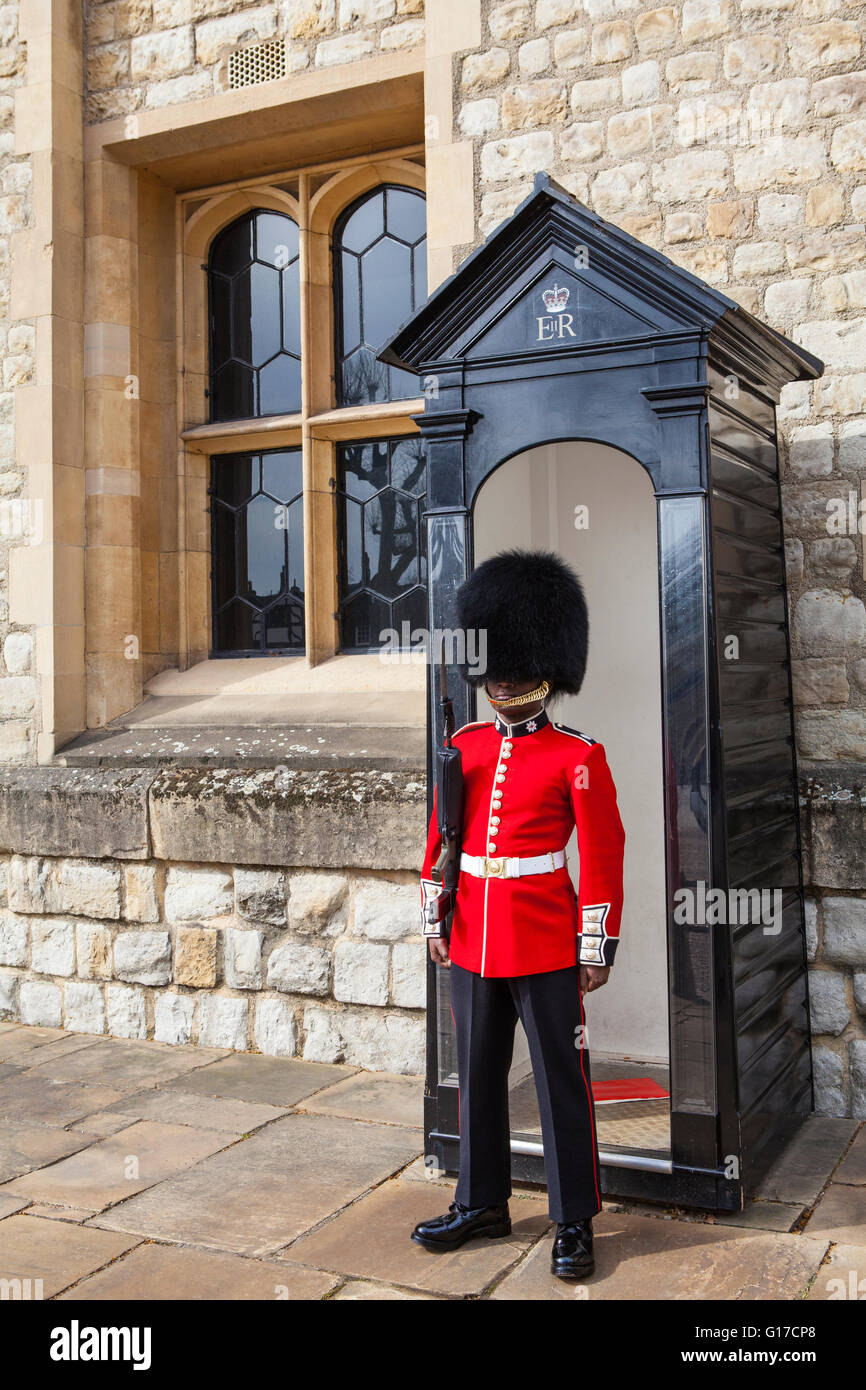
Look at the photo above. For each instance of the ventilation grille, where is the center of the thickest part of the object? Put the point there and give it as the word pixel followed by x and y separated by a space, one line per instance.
pixel 258 62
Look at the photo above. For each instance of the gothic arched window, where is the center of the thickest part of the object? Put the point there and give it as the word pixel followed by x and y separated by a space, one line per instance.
pixel 380 277
pixel 254 317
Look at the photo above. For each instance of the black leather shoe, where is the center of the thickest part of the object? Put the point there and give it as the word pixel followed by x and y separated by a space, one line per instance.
pixel 572 1256
pixel 460 1224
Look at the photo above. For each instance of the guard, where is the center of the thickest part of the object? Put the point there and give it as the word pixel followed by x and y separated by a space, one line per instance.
pixel 522 943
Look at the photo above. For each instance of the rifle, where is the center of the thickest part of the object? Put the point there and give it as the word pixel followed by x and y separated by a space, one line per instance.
pixel 440 889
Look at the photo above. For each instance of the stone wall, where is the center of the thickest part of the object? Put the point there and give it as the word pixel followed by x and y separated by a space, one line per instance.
pixel 148 53
pixel 834 868
pixel 731 136
pixel 325 966
pixel 315 953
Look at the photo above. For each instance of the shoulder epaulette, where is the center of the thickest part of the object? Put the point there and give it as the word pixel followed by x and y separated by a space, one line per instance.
pixel 474 724
pixel 574 733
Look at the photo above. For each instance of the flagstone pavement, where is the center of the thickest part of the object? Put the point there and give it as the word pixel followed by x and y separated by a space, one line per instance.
pixel 138 1170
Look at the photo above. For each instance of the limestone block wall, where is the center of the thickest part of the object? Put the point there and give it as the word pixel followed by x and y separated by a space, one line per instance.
pixel 148 53
pixel 316 964
pixel 731 135
pixel 250 910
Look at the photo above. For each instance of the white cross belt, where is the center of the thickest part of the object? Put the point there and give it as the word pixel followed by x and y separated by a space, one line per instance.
pixel 502 866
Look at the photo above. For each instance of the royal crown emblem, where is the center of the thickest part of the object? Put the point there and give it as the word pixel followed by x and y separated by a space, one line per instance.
pixel 555 298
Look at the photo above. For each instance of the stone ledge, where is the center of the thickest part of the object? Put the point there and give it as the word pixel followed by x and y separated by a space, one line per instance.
pixel 288 817
pixel 324 819
pixel 71 811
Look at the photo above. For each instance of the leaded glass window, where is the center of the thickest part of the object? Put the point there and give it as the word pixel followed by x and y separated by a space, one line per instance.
pixel 254 317
pixel 380 277
pixel 257 548
pixel 381 494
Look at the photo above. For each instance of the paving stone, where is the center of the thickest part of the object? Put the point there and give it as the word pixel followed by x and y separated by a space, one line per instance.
pixel 272 1080
pixel 22 1046
pixel 852 1169
pixel 9 1205
pixel 100 1175
pixel 24 1147
pixel 840 1215
pixel 57 1252
pixel 645 1257
pixel 801 1171
pixel 763 1216
pixel 371 1240
pixel 77 1215
pixel 163 1272
pixel 419 1171
pixel 235 1117
pixel 841 1277
pixel 380 1097
pixel 7 1071
pixel 359 1290
pixel 258 1195
pixel 44 1100
pixel 126 1065
pixel 104 1122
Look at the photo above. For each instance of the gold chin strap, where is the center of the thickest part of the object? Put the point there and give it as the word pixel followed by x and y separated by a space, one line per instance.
pixel 515 701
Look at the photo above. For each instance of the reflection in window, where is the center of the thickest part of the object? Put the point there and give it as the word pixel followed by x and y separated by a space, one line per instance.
pixel 254 316
pixel 257 552
pixel 380 277
pixel 381 494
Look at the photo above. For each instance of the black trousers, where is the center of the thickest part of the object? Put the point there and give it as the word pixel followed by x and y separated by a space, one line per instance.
pixel 549 1006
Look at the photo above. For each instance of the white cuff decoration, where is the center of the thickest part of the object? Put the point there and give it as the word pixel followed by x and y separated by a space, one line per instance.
pixel 596 947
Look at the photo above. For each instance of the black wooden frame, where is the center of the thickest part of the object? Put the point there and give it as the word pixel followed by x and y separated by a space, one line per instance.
pixel 636 373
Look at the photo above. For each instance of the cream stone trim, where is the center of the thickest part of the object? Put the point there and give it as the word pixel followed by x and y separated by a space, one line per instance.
pixel 451 27
pixel 47 287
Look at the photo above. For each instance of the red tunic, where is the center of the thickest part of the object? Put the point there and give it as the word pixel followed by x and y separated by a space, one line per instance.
pixel 526 787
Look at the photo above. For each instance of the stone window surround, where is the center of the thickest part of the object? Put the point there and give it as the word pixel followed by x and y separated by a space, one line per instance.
pixel 100 427
pixel 323 192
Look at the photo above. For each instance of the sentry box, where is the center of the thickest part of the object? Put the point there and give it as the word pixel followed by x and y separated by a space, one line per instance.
pixel 584 393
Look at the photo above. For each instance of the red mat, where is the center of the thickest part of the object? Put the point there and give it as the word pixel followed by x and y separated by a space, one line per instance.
pixel 631 1088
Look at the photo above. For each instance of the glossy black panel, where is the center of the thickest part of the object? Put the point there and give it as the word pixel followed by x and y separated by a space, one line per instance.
pixel 732 392
pixel 739 515
pixel 743 478
pixel 759 772
pixel 742 682
pixel 758 725
pixel 748 818
pixel 738 437
pixel 742 561
pixel 693 1085
pixel 748 601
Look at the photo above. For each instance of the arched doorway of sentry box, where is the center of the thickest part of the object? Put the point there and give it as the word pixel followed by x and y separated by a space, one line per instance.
pixel 594 505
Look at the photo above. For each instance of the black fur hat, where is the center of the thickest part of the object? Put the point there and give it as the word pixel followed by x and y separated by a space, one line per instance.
pixel 532 607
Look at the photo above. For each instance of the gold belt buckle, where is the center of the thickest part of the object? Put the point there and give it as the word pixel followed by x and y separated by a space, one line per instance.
pixel 494 868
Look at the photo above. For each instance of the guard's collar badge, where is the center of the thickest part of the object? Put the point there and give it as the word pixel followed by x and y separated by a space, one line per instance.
pixel 525 726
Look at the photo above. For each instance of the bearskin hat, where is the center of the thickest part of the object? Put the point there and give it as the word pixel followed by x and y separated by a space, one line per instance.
pixel 532 607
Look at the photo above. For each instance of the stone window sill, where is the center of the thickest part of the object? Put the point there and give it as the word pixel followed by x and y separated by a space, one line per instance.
pixel 357 711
